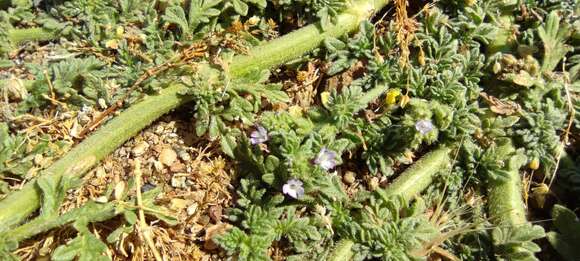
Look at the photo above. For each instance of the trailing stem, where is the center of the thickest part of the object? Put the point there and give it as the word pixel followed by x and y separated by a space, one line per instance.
pixel 17 36
pixel 408 185
pixel 505 201
pixel 418 176
pixel 512 235
pixel 20 204
pixel 92 211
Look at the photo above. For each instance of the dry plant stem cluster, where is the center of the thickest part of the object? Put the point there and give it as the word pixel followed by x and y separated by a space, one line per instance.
pixel 17 206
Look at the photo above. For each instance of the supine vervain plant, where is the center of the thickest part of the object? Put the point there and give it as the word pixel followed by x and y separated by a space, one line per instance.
pixel 488 88
pixel 85 155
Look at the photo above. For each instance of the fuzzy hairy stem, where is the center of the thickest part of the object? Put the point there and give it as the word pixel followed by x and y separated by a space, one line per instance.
pixel 342 251
pixel 418 176
pixel 92 212
pixel 18 205
pixel 408 185
pixel 16 36
pixel 505 202
pixel 295 44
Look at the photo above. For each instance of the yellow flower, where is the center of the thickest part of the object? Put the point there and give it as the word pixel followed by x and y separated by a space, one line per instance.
pixel 392 95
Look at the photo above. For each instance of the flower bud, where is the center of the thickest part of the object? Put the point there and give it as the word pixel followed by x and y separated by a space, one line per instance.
pixel 534 164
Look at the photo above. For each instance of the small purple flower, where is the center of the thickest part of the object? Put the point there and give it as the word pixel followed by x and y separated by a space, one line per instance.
pixel 326 159
pixel 260 135
pixel 424 126
pixel 293 188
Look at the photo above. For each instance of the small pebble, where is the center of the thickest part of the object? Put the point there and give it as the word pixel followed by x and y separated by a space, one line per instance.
pixel 140 148
pixel 167 156
pixel 203 220
pixel 158 165
pixel 177 167
pixel 178 181
pixel 183 155
pixel 38 159
pixel 215 213
pixel 159 130
pixel 178 204
pixel 100 173
pixel 192 209
pixel 146 187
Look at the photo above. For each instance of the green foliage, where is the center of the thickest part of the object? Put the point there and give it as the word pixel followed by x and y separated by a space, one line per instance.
pixel 200 12
pixel 85 246
pixel 553 36
pixel 220 100
pixel 17 151
pixel 110 44
pixel 344 55
pixel 322 11
pixel 388 230
pixel 515 243
pixel 568 226
pixel 263 220
pixel 75 81
pixel 12 147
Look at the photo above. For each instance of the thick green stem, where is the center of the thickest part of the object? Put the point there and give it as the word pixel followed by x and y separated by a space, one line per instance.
pixel 16 36
pixel 20 204
pixel 419 176
pixel 297 43
pixel 93 212
pixel 342 251
pixel 505 201
pixel 409 184
pixel 506 210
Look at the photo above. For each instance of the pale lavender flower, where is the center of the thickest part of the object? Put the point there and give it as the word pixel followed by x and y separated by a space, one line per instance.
pixel 260 135
pixel 293 188
pixel 424 126
pixel 326 159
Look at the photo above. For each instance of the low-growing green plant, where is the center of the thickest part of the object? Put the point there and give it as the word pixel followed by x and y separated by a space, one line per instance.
pixel 568 227
pixel 488 87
